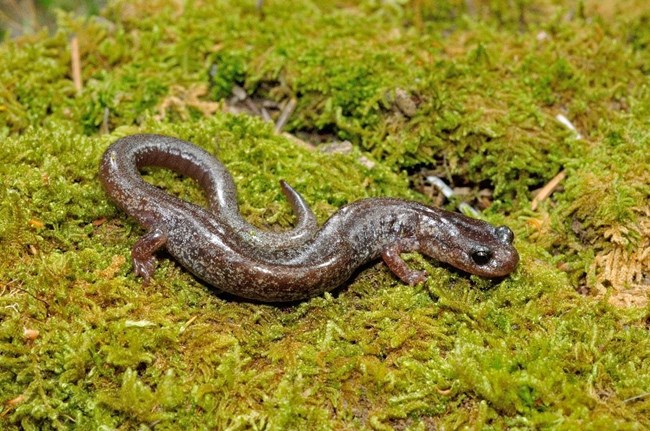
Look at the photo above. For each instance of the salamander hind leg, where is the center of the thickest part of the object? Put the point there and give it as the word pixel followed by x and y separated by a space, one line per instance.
pixel 144 261
pixel 392 259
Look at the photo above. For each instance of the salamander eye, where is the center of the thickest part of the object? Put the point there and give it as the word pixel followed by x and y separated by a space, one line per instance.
pixel 505 235
pixel 481 257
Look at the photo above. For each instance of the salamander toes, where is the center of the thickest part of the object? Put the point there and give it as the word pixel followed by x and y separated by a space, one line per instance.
pixel 416 277
pixel 144 268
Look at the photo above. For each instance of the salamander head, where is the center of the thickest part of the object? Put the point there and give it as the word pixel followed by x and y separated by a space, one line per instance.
pixel 468 244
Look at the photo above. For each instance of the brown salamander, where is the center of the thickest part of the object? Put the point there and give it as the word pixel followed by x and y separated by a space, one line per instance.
pixel 220 247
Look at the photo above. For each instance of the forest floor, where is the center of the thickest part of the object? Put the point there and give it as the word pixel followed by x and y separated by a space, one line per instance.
pixel 536 113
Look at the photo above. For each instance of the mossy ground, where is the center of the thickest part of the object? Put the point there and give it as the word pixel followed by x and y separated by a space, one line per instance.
pixel 467 89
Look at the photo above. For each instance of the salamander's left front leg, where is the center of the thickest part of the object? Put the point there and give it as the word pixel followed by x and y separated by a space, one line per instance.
pixel 144 261
pixel 394 261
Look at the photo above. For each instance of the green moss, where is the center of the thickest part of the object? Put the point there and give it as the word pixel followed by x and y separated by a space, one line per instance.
pixel 471 88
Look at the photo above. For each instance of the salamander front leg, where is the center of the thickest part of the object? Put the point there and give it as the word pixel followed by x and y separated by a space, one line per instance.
pixel 144 261
pixel 394 261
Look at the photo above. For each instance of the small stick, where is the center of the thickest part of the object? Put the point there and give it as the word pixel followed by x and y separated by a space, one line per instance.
pixel 286 113
pixel 637 397
pixel 568 124
pixel 47 304
pixel 448 192
pixel 252 106
pixel 547 190
pixel 103 129
pixel 184 326
pixel 76 64
pixel 265 115
pixel 296 140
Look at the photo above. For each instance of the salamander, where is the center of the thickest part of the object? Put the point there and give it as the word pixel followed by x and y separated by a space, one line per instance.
pixel 220 247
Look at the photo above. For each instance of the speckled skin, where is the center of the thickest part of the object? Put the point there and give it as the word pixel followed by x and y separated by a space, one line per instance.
pixel 217 245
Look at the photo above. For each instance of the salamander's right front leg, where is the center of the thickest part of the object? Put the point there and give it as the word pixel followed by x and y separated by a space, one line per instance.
pixel 144 261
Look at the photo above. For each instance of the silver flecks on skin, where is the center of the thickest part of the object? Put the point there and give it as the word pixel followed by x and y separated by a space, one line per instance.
pixel 220 247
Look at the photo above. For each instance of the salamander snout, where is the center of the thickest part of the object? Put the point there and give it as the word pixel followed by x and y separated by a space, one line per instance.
pixel 493 255
pixel 471 245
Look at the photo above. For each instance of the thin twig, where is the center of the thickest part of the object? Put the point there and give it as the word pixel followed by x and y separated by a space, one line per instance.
pixel 104 128
pixel 296 140
pixel 265 115
pixel 7 285
pixel 448 192
pixel 47 304
pixel 19 16
pixel 637 397
pixel 76 64
pixel 286 113
pixel 252 106
pixel 547 190
pixel 184 326
pixel 568 124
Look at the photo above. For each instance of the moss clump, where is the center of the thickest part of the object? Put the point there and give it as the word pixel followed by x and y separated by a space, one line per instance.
pixel 602 215
pixel 468 88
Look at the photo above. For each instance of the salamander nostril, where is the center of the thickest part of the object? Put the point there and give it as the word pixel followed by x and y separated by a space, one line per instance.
pixel 481 257
pixel 505 235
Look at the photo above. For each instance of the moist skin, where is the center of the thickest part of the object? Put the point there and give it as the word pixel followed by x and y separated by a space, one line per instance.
pixel 220 247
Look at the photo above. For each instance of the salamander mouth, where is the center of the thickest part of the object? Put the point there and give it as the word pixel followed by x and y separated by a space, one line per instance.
pixel 500 265
pixel 483 261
